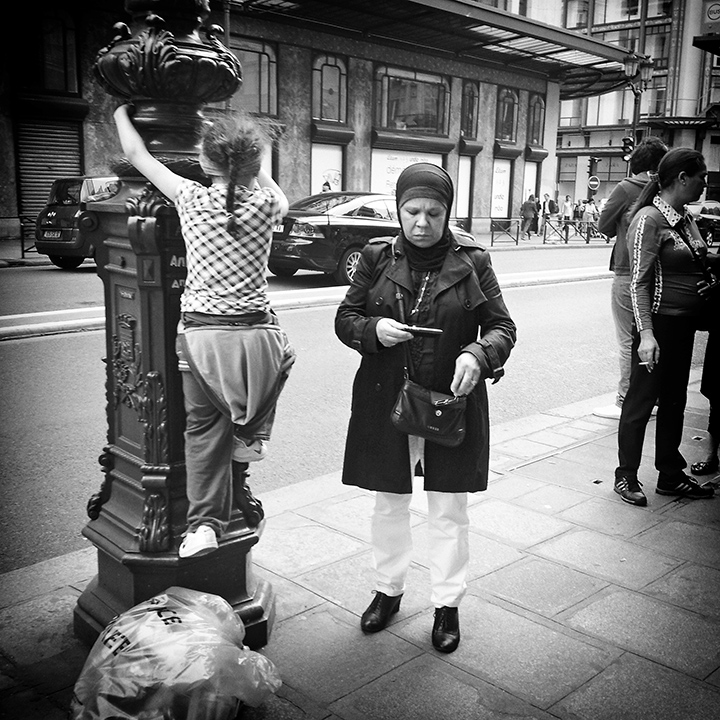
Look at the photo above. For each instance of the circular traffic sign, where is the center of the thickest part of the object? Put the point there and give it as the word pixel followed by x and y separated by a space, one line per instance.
pixel 593 182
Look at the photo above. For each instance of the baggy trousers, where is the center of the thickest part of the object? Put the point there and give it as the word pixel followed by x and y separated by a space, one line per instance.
pixel 667 385
pixel 448 540
pixel 212 420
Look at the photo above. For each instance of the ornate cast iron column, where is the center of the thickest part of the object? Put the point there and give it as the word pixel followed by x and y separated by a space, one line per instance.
pixel 168 66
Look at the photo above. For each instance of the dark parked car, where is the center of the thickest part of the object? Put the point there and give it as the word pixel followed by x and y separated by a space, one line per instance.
pixel 707 216
pixel 59 227
pixel 328 231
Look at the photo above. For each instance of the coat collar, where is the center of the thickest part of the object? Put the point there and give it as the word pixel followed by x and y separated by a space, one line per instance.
pixel 454 269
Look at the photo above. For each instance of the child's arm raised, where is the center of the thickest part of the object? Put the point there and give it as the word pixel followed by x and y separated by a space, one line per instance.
pixel 264 180
pixel 164 179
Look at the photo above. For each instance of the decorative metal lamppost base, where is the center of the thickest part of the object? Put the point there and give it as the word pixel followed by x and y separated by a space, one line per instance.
pixel 163 65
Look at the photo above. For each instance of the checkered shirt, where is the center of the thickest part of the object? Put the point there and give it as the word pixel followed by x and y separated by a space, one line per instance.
pixel 226 272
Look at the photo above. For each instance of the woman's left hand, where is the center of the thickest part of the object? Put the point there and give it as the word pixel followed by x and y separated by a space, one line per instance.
pixel 467 374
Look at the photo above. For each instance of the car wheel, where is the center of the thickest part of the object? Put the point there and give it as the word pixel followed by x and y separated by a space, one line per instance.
pixel 281 271
pixel 348 265
pixel 66 262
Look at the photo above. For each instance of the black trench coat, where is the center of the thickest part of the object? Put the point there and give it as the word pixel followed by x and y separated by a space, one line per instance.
pixel 468 305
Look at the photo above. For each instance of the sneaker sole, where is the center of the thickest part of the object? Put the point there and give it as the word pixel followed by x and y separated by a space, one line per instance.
pixel 677 493
pixel 640 503
pixel 199 553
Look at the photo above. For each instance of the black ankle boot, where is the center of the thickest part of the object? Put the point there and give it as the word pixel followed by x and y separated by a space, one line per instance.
pixel 376 617
pixel 246 502
pixel 446 629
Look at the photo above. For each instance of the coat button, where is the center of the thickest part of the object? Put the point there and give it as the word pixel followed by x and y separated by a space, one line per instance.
pixel 467 304
pixel 379 300
pixel 378 387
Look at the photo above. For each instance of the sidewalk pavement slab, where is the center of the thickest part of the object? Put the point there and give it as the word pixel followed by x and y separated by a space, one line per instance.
pixel 579 607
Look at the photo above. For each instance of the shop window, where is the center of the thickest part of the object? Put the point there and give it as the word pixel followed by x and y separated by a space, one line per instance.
pixel 506 121
pixel 536 120
pixel 329 101
pixel 469 110
pixel 258 93
pixel 412 101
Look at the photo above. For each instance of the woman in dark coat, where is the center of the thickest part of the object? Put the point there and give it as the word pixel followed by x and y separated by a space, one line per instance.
pixel 444 280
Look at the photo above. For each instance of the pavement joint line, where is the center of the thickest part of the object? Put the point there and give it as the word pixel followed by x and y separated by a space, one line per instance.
pixel 285 497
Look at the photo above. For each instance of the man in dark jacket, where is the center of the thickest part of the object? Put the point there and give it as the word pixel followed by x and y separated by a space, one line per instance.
pixel 614 221
pixel 528 213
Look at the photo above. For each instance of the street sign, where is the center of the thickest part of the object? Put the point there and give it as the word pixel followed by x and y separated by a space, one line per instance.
pixel 593 182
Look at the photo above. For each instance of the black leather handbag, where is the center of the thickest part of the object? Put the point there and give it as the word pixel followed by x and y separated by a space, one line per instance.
pixel 432 415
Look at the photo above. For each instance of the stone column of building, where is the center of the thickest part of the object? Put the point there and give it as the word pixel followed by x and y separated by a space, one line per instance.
pixel 169 66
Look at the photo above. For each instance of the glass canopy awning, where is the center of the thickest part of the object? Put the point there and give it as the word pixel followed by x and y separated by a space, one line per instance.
pixel 462 30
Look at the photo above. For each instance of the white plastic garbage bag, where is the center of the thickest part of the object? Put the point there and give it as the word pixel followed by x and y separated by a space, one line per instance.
pixel 177 656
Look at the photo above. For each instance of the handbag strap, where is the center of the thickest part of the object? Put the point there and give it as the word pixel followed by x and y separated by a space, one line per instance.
pixel 401 307
pixel 699 259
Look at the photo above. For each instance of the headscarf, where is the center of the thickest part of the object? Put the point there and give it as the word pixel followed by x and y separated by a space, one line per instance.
pixel 424 180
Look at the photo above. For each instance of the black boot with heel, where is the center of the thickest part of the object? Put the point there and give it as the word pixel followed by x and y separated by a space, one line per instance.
pixel 378 613
pixel 446 629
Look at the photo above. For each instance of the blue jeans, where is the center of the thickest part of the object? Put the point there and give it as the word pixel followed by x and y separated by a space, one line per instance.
pixel 622 313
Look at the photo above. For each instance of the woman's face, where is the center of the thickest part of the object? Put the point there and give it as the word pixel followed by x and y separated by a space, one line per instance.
pixel 423 221
pixel 694 185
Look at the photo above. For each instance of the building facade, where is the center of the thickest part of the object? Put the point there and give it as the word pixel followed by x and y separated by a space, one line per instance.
pixel 679 104
pixel 354 91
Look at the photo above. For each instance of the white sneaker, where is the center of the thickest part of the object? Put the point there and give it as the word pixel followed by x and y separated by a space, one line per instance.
pixel 244 452
pixel 612 412
pixel 200 542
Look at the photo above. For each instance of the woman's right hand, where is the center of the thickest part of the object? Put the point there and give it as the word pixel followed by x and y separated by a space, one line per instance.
pixel 390 332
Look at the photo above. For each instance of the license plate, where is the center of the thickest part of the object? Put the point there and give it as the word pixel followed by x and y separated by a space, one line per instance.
pixel 51 234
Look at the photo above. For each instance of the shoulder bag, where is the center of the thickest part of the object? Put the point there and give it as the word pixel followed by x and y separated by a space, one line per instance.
pixel 425 413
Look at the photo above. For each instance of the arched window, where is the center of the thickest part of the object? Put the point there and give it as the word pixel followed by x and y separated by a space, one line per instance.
pixel 536 120
pixel 412 101
pixel 506 122
pixel 258 93
pixel 329 101
pixel 469 109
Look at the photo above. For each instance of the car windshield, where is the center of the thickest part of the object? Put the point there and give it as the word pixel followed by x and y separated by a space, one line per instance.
pixel 65 192
pixel 321 203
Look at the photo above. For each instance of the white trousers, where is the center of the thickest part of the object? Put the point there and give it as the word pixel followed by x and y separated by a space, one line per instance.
pixel 448 541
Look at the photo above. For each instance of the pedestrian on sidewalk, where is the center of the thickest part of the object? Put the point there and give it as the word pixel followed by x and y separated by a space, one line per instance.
pixel 549 211
pixel 567 211
pixel 528 213
pixel 710 388
pixel 446 281
pixel 668 308
pixel 614 223
pixel 233 356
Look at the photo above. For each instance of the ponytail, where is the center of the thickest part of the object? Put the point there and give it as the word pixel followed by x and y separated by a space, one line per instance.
pixel 235 143
pixel 673 163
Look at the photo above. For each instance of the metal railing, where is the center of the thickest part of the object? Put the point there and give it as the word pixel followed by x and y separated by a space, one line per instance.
pixel 27 234
pixel 504 229
pixel 560 230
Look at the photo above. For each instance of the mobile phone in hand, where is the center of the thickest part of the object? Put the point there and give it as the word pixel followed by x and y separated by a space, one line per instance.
pixel 423 331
